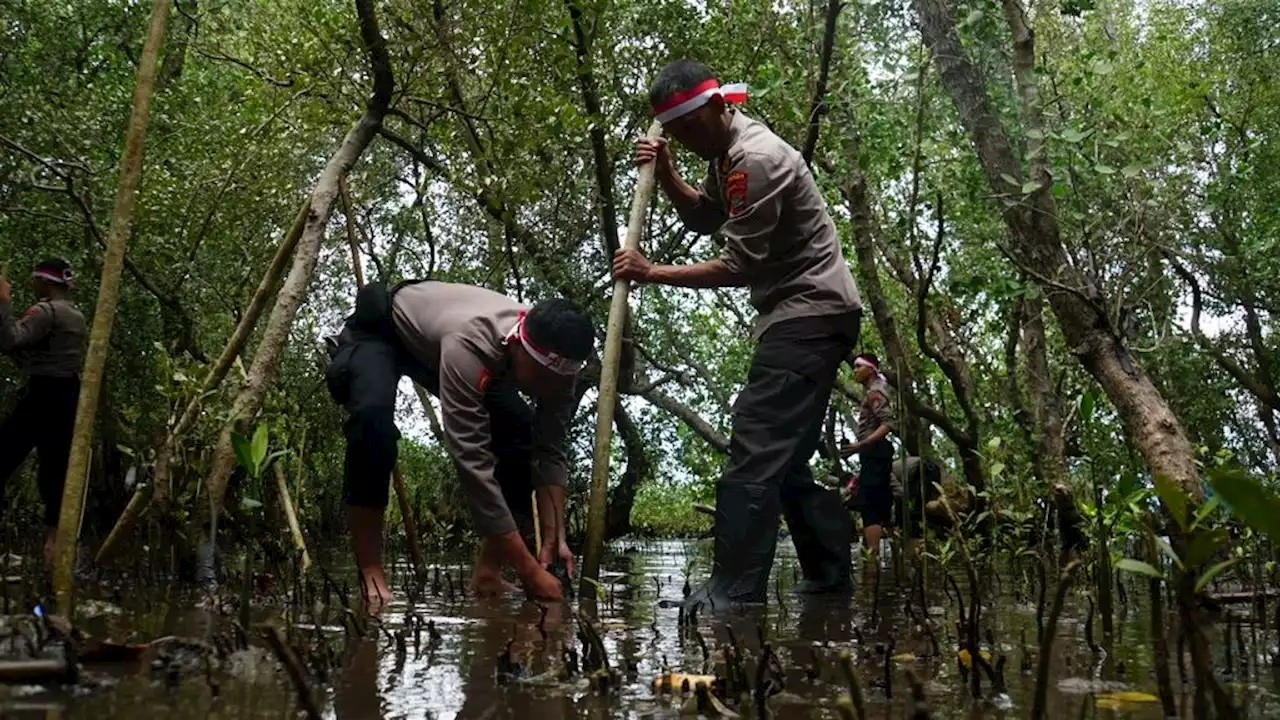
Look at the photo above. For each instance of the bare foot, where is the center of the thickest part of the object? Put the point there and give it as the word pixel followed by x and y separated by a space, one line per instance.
pixel 487 585
pixel 374 583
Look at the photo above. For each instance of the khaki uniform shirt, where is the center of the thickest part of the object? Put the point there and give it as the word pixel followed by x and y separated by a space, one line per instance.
pixel 778 235
pixel 876 410
pixel 460 332
pixel 47 341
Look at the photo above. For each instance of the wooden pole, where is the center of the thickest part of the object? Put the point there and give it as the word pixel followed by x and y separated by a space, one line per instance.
pixel 397 478
pixel 598 511
pixel 291 517
pixel 410 525
pixel 105 313
pixel 351 232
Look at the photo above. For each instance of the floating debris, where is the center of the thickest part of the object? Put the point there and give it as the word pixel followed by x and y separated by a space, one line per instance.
pixel 967 661
pixel 1119 698
pixel 672 682
pixel 1086 686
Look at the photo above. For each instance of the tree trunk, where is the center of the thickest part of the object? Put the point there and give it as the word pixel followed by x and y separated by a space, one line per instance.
pixel 865 227
pixel 437 430
pixel 1050 449
pixel 599 149
pixel 623 495
pixel 266 359
pixel 105 312
pixel 1038 248
pixel 818 106
pixel 175 55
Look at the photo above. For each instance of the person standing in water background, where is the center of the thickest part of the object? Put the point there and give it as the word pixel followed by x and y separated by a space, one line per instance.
pixel 47 342
pixel 876 420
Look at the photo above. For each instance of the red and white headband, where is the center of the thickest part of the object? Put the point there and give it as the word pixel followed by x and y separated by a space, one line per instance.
pixel 863 362
pixel 685 102
pixel 554 362
pixel 62 278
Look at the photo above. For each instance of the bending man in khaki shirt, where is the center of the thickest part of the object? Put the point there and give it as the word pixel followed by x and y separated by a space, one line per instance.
pixel 781 243
pixel 476 351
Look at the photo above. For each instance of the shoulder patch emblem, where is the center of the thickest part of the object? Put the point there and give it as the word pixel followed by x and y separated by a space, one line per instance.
pixel 485 379
pixel 33 310
pixel 735 192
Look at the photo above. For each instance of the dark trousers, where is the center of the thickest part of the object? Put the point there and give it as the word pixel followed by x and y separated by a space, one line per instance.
pixel 875 484
pixel 374 366
pixel 44 420
pixel 777 425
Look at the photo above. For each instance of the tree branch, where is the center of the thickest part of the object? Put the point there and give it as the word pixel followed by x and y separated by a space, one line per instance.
pixel 1247 380
pixel 1024 69
pixel 219 56
pixel 599 150
pixel 818 106
pixel 691 418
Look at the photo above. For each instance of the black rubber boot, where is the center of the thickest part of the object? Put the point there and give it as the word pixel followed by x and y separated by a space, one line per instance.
pixel 821 532
pixel 746 537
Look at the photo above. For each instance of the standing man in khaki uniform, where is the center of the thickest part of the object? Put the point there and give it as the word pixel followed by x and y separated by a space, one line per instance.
pixel 782 244
pixel 475 350
pixel 876 421
pixel 47 342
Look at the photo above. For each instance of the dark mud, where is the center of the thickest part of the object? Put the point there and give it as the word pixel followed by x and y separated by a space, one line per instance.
pixel 451 656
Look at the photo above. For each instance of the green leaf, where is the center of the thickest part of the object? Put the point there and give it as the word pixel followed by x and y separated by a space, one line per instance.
pixel 1029 187
pixel 1105 170
pixel 1203 546
pixel 259 446
pixel 1248 500
pixel 249 504
pixel 973 17
pixel 996 469
pixel 1088 402
pixel 1035 134
pixel 244 451
pixel 1213 572
pixel 1206 510
pixel 1073 135
pixel 1138 568
pixel 1131 171
pixel 600 593
pixel 1165 548
pixel 1173 499
pixel 1009 179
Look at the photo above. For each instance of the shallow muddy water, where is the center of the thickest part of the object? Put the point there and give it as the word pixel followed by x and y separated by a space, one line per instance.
pixel 404 670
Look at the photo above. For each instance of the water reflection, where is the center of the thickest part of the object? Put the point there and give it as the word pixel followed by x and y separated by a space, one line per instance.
pixel 456 675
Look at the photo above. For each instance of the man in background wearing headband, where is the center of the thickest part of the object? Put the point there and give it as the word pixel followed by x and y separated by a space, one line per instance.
pixel 782 244
pixel 476 351
pixel 876 420
pixel 47 342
